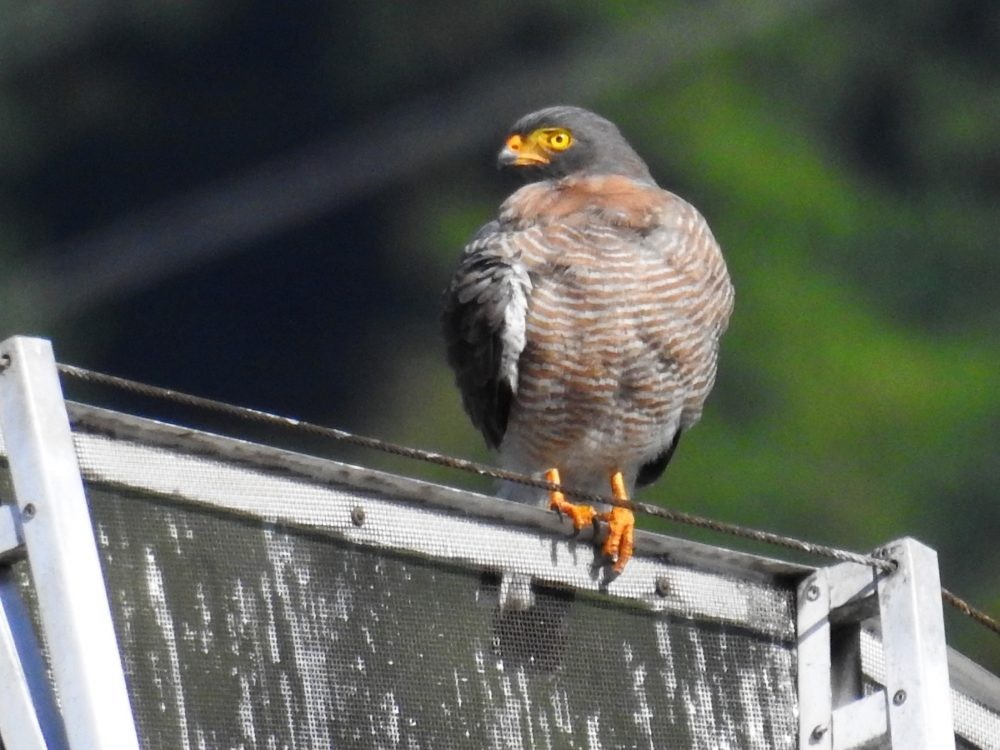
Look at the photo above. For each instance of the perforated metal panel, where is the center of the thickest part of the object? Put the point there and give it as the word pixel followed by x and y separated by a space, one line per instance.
pixel 264 599
pixel 255 608
pixel 247 633
pixel 976 725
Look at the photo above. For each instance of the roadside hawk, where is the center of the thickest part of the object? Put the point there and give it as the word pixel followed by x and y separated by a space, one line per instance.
pixel 583 323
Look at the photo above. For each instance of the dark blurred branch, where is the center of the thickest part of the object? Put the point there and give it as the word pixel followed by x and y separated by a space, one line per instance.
pixel 225 216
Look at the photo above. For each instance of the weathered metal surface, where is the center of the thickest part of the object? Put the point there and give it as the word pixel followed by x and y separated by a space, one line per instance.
pixel 265 599
pixel 285 605
pixel 64 562
pixel 914 649
pixel 976 719
pixel 547 552
pixel 240 633
pixel 20 726
pixel 124 427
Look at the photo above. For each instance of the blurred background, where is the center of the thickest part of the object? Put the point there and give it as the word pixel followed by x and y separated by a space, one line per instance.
pixel 261 203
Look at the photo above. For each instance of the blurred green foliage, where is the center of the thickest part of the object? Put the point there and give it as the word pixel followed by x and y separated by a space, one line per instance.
pixel 847 159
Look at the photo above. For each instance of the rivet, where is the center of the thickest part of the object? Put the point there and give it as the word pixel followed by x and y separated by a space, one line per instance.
pixel 28 512
pixel 812 593
pixel 358 515
pixel 899 698
pixel 818 731
pixel 663 586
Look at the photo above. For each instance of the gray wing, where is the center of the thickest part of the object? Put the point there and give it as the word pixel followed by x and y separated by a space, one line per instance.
pixel 484 324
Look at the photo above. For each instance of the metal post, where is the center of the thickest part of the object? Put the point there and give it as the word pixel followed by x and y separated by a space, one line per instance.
pixel 62 554
pixel 913 711
pixel 916 655
pixel 814 665
pixel 19 723
pixel 29 718
pixel 831 715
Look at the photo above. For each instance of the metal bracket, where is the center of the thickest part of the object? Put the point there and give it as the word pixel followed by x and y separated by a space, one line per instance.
pixel 61 551
pixel 913 710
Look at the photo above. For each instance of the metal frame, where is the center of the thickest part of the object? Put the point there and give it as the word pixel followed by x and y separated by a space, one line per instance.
pixel 913 709
pixel 838 607
pixel 98 430
pixel 29 717
pixel 371 508
pixel 55 527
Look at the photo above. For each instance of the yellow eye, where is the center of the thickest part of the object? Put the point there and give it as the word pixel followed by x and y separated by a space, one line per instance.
pixel 559 140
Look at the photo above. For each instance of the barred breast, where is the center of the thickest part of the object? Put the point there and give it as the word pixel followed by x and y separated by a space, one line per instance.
pixel 629 296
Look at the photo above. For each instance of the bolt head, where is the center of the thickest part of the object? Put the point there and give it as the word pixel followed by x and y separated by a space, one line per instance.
pixel 818 731
pixel 899 698
pixel 358 516
pixel 28 512
pixel 812 593
pixel 663 586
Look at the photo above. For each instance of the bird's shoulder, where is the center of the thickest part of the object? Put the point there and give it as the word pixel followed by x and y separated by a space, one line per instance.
pixel 587 216
pixel 616 199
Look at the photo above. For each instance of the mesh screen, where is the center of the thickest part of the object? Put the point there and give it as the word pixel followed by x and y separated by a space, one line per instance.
pixel 245 634
pixel 976 726
pixel 433 521
pixel 253 612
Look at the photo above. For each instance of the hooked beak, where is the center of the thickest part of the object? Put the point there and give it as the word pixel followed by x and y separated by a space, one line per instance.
pixel 521 152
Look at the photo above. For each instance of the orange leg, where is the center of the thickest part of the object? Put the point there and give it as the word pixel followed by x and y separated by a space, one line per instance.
pixel 580 515
pixel 621 527
pixel 621 521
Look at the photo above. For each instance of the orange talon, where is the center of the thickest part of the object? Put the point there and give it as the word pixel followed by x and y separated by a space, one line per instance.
pixel 580 515
pixel 621 527
pixel 621 521
pixel 620 542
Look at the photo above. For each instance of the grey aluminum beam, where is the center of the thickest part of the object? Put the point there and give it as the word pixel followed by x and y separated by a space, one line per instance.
pixel 914 709
pixel 62 554
pixel 916 655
